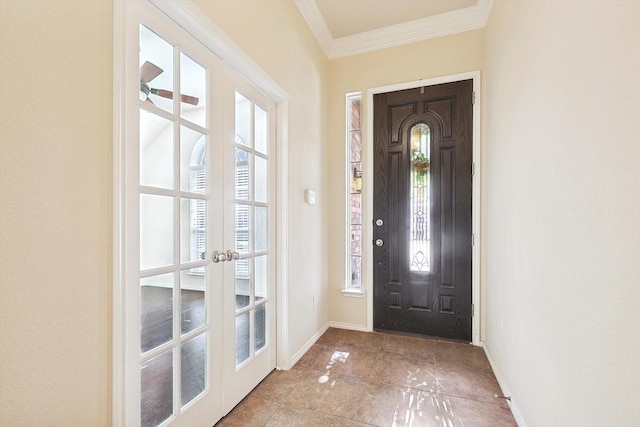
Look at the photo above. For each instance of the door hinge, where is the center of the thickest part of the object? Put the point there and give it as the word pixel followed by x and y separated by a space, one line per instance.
pixel 473 310
pixel 473 239
pixel 473 169
pixel 473 97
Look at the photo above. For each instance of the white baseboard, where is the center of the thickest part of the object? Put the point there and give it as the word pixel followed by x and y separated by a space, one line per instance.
pixel 317 336
pixel 505 390
pixel 308 345
pixel 349 326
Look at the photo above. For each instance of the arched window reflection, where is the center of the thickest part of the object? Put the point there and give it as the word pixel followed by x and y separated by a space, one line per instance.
pixel 197 207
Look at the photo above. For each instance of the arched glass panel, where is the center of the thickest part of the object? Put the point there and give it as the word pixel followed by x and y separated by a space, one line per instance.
pixel 420 242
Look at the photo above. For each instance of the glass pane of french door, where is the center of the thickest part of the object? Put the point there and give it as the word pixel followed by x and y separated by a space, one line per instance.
pixel 250 231
pixel 174 186
pixel 251 226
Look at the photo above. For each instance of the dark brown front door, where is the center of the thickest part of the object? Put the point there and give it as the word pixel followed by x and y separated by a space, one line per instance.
pixel 422 210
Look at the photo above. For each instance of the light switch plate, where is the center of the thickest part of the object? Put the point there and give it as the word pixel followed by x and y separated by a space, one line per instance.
pixel 310 196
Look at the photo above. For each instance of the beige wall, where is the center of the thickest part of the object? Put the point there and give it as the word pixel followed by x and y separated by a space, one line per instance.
pixel 285 48
pixel 56 192
pixel 561 216
pixel 561 209
pixel 431 58
pixel 55 212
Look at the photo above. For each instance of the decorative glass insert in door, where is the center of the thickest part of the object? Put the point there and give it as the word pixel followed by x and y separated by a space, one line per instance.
pixel 420 181
pixel 252 202
pixel 174 195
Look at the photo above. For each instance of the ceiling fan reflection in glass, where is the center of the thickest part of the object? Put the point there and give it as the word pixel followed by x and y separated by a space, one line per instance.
pixel 150 71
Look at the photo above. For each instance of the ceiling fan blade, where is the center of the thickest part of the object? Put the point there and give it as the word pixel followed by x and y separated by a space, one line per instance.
pixel 168 94
pixel 189 99
pixel 161 92
pixel 149 71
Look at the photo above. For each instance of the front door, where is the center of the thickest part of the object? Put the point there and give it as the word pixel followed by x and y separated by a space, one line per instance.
pixel 422 224
pixel 201 261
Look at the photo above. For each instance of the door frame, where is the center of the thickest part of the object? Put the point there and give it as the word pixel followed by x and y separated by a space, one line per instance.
pixel 186 15
pixel 367 214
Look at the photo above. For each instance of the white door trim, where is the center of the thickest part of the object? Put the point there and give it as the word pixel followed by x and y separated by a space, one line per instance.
pixel 189 17
pixel 119 220
pixel 368 191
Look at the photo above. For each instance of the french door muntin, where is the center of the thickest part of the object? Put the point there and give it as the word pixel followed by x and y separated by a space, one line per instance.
pixel 175 204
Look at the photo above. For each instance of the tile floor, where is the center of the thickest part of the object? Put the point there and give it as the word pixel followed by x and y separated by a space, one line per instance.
pixel 351 378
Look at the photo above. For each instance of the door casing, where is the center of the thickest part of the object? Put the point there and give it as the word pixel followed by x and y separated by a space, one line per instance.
pixel 367 189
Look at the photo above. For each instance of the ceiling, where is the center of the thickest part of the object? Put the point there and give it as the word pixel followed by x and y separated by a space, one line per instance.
pixel 349 27
pixel 349 17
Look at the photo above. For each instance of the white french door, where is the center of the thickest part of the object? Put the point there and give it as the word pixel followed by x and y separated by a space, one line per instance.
pixel 200 230
pixel 249 324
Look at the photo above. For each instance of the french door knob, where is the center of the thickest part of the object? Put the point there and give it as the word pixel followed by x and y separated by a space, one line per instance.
pixel 216 257
pixel 224 256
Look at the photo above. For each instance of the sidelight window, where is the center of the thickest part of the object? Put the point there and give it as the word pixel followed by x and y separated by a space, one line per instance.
pixel 354 173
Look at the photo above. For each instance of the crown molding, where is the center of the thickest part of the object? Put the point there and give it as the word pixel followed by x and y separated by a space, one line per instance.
pixel 315 21
pixel 458 21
